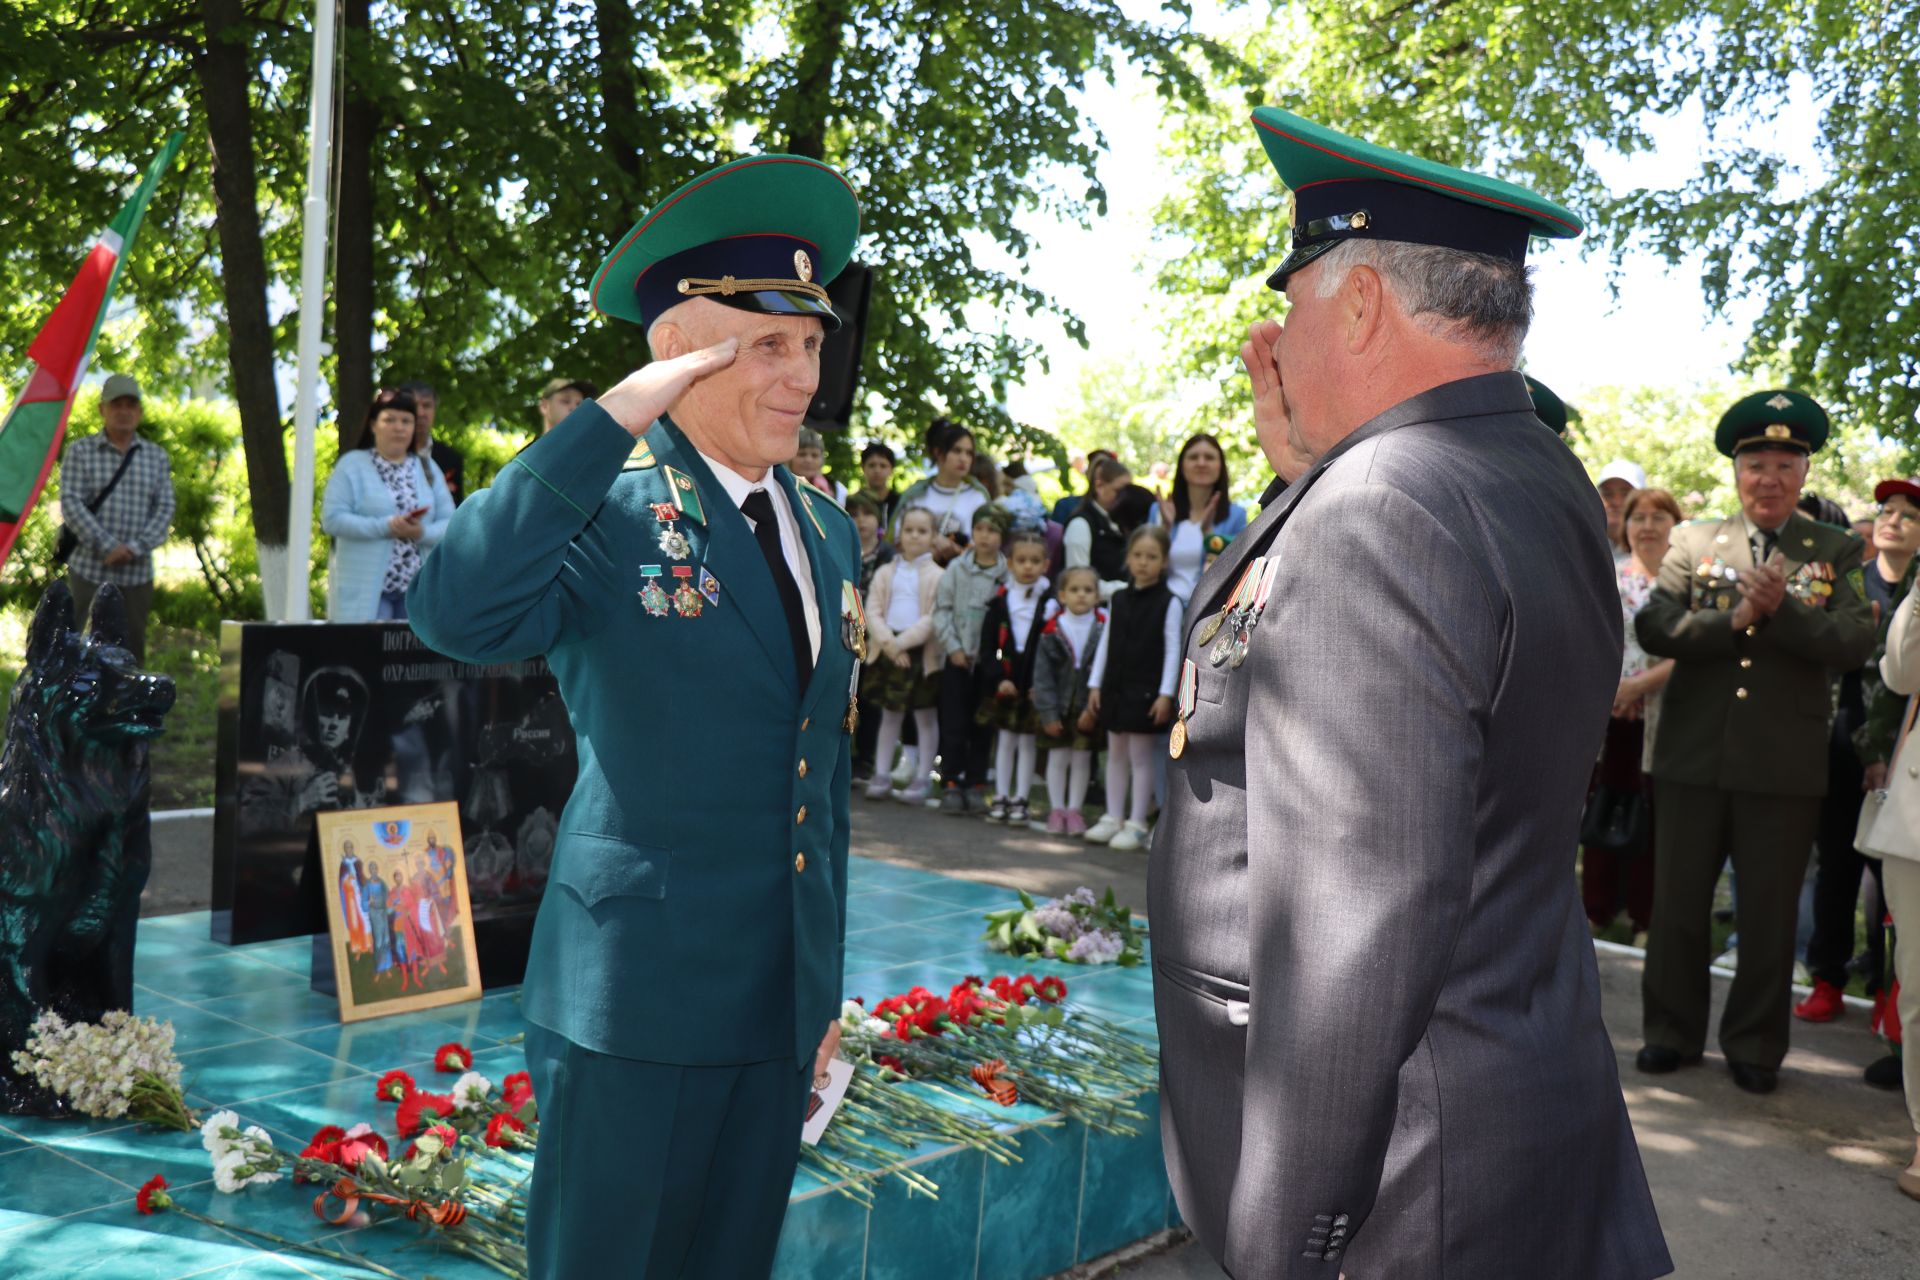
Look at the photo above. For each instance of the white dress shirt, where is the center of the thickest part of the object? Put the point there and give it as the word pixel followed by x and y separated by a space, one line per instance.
pixel 738 487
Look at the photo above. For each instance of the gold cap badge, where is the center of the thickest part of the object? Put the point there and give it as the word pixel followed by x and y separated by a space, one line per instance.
pixel 1781 401
pixel 802 265
pixel 1779 431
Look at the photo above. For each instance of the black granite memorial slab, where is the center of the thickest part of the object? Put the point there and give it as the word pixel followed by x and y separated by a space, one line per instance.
pixel 320 716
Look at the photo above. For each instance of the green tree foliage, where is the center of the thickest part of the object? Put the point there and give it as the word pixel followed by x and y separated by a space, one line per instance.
pixel 507 146
pixel 1532 92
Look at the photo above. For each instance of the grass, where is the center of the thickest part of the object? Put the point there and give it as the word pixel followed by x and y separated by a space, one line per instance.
pixel 183 757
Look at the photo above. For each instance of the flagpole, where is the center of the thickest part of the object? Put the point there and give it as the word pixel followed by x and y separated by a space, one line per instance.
pixel 313 256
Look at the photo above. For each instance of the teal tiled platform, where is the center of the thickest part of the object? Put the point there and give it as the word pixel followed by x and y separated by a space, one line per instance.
pixel 254 1039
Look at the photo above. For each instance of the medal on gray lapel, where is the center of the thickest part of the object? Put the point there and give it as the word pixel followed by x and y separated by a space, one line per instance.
pixel 1229 620
pixel 1250 616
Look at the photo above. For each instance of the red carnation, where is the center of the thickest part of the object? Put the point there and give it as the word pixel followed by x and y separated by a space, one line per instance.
pixel 359 1143
pixel 325 1144
pixel 453 1058
pixel 415 1108
pixel 153 1195
pixel 1052 990
pixel 891 1063
pixel 516 1090
pixel 500 1126
pixel 394 1086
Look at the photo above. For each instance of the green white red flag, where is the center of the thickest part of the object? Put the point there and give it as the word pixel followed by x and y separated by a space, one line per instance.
pixel 31 433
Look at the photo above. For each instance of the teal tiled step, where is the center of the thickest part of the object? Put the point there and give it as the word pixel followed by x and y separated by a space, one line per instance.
pixel 253 1038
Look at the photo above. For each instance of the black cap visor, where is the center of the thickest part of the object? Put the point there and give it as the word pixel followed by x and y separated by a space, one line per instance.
pixel 775 302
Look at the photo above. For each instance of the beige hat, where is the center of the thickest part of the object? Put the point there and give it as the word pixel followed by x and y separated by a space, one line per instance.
pixel 581 385
pixel 118 385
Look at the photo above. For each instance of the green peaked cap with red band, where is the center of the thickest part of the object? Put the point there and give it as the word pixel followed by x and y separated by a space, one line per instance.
pixel 762 233
pixel 1345 189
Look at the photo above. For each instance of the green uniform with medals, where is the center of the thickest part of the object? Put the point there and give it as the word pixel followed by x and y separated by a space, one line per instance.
pixel 687 957
pixel 1740 761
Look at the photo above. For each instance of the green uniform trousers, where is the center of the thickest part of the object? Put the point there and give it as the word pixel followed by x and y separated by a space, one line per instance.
pixel 646 1169
pixel 1769 838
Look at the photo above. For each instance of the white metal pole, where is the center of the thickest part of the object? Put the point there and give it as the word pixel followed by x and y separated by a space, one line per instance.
pixel 313 259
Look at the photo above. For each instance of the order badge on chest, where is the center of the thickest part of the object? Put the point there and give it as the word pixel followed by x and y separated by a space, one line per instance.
pixel 677 588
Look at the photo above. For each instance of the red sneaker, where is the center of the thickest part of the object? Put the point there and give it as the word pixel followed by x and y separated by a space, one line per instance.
pixel 1824 1005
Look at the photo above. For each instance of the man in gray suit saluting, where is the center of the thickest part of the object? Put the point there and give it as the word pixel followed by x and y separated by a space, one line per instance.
pixel 1382 1053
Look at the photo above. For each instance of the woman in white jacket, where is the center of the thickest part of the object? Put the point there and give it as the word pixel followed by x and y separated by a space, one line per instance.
pixel 1900 668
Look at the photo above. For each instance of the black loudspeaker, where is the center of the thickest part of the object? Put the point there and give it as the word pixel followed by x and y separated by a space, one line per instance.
pixel 851 290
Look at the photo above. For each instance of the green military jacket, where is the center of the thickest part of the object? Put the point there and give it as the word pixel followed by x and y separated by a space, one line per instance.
pixel 696 911
pixel 1751 710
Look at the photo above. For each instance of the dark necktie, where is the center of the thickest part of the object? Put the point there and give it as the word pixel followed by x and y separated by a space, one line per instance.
pixel 1763 543
pixel 758 508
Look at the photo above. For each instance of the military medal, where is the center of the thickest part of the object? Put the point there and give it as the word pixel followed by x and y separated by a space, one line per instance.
pixel 652 597
pixel 709 587
pixel 852 720
pixel 685 598
pixel 1243 635
pixel 1211 627
pixel 673 543
pixel 853 621
pixel 1234 613
pixel 1189 689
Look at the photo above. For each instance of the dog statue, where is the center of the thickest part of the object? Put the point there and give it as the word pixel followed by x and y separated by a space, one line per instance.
pixel 75 845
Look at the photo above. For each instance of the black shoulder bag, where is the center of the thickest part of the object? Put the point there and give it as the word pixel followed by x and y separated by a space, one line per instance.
pixel 69 541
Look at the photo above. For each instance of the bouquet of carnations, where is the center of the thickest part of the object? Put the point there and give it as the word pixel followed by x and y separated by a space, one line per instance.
pixel 1079 929
pixel 985 1044
pixel 119 1066
pixel 462 1175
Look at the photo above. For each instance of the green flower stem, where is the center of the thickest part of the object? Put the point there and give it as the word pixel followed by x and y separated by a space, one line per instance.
pixel 321 1251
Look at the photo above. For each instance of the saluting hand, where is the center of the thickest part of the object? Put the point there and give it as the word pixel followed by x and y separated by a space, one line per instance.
pixel 649 391
pixel 1271 423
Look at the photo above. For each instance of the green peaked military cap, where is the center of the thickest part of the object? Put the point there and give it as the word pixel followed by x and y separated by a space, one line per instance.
pixel 1772 420
pixel 763 233
pixel 1547 406
pixel 1346 189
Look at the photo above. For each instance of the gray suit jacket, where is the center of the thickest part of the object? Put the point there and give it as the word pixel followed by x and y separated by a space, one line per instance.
pixel 1379 1010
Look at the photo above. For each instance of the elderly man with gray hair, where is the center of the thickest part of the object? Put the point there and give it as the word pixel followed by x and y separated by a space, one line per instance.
pixel 1379 1010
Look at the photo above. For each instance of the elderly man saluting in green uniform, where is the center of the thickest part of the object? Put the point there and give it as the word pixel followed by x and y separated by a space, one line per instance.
pixel 1759 613
pixel 684 979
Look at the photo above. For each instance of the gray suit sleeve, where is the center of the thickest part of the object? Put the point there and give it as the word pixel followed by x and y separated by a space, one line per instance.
pixel 1369 694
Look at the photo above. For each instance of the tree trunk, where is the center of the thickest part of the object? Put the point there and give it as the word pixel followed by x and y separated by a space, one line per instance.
pixel 821 35
pixel 353 245
pixel 619 40
pixel 225 70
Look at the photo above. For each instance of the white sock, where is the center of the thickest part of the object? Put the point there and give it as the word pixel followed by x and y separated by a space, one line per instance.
pixel 927 721
pixel 1142 776
pixel 1080 775
pixel 1119 751
pixel 1057 777
pixel 1002 763
pixel 1025 749
pixel 888 741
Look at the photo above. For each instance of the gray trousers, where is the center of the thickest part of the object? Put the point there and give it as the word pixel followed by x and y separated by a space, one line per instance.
pixel 139 601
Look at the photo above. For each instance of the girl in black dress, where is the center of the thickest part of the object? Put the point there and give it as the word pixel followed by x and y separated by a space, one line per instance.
pixel 1009 642
pixel 1131 689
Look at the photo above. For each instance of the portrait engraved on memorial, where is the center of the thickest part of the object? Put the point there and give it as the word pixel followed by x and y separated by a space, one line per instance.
pixel 342 717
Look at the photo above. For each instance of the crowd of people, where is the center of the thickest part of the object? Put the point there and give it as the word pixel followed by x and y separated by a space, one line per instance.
pixel 1015 644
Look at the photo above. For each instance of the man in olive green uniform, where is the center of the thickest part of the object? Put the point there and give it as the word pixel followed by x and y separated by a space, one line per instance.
pixel 1759 614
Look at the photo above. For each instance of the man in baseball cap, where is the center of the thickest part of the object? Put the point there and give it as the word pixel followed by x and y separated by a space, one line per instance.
pixel 116 503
